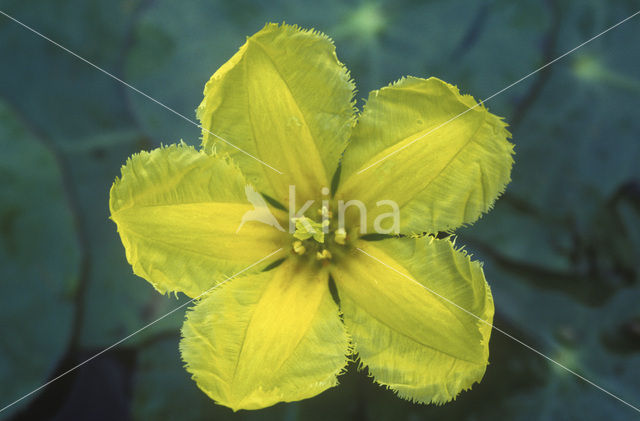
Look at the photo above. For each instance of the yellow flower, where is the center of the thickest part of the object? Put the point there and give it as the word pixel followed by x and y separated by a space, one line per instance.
pixel 274 331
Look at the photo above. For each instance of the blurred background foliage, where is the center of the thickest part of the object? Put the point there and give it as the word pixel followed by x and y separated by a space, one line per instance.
pixel 561 248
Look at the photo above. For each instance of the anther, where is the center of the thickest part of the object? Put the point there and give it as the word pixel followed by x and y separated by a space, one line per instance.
pixel 324 255
pixel 340 236
pixel 325 212
pixel 299 248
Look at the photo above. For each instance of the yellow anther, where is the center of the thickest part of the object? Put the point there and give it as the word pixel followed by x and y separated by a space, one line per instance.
pixel 298 247
pixel 324 255
pixel 325 212
pixel 340 236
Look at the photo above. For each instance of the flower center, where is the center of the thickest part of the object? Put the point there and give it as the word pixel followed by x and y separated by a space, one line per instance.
pixel 316 237
pixel 307 228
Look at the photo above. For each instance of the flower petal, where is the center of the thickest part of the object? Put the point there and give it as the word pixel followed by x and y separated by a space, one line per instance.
pixel 178 211
pixel 285 99
pixel 448 177
pixel 266 338
pixel 412 340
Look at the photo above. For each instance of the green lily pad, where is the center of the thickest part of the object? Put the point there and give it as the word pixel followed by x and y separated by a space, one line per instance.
pixel 63 96
pixel 578 142
pixel 579 338
pixel 39 261
pixel 85 115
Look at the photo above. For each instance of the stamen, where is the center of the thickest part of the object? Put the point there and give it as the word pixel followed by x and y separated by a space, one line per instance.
pixel 299 248
pixel 340 236
pixel 325 212
pixel 324 255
